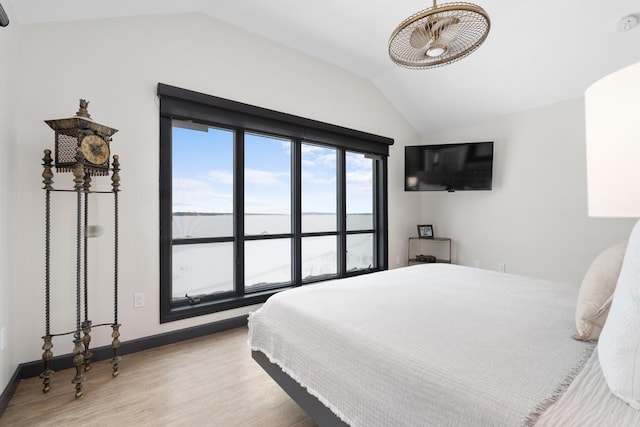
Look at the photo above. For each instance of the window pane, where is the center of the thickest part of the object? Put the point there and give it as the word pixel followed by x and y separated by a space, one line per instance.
pixel 193 225
pixel 202 269
pixel 267 185
pixel 319 257
pixel 319 194
pixel 359 251
pixel 202 181
pixel 359 179
pixel 267 263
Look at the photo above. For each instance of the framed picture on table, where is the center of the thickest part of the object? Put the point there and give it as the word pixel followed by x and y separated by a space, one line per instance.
pixel 425 231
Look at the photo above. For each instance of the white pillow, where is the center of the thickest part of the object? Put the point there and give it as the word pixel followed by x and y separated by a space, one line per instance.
pixel 596 292
pixel 619 344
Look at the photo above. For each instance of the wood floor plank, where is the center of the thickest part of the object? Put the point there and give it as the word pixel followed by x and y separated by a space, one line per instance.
pixel 208 381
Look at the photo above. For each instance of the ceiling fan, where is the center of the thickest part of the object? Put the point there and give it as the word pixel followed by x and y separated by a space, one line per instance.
pixel 439 35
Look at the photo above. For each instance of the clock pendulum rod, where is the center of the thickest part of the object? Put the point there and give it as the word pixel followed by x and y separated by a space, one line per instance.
pixel 115 184
pixel 47 355
pixel 86 324
pixel 78 358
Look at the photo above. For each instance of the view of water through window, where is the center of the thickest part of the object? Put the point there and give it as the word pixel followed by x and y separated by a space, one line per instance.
pixel 203 203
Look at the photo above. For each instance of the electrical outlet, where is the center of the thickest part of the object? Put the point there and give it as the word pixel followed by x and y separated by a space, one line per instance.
pixel 3 338
pixel 138 299
pixel 502 268
pixel 476 263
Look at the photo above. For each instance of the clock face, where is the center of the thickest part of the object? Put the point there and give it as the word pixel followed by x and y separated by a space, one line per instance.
pixel 95 150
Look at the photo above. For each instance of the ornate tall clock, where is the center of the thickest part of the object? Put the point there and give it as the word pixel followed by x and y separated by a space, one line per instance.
pixel 81 147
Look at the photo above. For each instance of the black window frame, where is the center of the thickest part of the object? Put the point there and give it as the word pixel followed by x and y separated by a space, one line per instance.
pixel 186 105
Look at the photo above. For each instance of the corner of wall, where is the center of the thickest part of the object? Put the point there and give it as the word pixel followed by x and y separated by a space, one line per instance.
pixel 9 38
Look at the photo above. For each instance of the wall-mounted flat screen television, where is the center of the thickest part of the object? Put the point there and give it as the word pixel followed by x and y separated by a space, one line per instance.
pixel 448 167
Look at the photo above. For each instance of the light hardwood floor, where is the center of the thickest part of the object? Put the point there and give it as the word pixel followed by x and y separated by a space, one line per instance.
pixel 207 381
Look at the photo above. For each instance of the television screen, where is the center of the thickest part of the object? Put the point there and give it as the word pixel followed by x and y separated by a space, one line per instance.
pixel 448 167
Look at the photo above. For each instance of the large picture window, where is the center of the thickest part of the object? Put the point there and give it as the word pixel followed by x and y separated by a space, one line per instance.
pixel 254 201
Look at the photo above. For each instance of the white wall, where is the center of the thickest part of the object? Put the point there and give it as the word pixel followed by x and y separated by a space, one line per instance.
pixel 535 219
pixel 116 65
pixel 8 143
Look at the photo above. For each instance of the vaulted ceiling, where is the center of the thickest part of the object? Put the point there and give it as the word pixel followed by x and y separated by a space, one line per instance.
pixel 537 53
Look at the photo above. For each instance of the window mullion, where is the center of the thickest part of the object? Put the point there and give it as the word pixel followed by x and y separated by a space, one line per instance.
pixel 238 218
pixel 381 214
pixel 296 204
pixel 376 209
pixel 342 213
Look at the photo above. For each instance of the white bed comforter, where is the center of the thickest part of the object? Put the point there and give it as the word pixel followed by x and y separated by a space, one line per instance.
pixel 588 402
pixel 432 344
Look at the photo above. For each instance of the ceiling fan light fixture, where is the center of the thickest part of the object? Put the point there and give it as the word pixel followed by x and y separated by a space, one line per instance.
pixel 436 51
pixel 439 35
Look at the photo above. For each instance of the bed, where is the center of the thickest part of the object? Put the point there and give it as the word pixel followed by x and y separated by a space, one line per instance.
pixel 435 344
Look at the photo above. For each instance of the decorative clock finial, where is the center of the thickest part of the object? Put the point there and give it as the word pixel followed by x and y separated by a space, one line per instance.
pixel 83 112
pixel 115 177
pixel 47 174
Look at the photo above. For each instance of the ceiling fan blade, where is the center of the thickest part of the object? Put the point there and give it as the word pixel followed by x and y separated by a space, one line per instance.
pixel 444 29
pixel 420 37
pixel 449 34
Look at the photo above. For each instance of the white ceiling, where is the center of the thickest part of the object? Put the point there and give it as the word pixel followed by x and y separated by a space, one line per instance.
pixel 537 53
